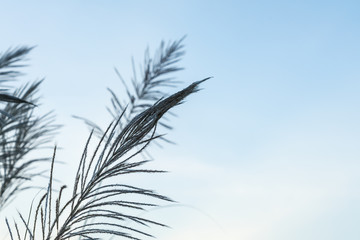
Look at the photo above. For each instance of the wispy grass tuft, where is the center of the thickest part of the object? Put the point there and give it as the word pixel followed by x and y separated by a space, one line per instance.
pixel 144 90
pixel 21 130
pixel 98 193
pixel 10 61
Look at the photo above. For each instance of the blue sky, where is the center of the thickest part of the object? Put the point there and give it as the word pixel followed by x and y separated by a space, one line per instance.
pixel 268 150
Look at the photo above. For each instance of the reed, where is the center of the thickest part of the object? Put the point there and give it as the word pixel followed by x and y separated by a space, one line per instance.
pixel 97 193
pixel 101 204
pixel 22 130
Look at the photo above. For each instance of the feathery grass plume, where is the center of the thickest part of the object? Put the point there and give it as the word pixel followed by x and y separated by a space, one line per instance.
pixel 10 61
pixel 21 132
pixel 155 78
pixel 143 93
pixel 98 192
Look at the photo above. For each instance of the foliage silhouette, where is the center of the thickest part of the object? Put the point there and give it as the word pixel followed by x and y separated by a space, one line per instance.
pixel 10 61
pixel 144 92
pixel 21 130
pixel 97 193
pixel 101 203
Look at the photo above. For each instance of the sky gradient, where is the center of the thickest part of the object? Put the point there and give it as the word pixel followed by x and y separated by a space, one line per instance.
pixel 268 150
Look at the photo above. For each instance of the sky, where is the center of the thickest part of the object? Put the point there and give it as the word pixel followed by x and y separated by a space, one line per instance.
pixel 269 149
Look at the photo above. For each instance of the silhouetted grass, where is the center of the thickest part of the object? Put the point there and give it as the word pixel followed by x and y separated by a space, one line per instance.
pixel 10 61
pixel 21 130
pixel 147 86
pixel 97 193
pixel 100 203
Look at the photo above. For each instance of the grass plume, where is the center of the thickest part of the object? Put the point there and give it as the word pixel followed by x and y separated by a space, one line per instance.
pixel 97 193
pixel 10 61
pixel 151 85
pixel 22 132
pixel 21 129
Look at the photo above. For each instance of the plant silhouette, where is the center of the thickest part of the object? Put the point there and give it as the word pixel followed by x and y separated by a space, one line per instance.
pixel 95 194
pixel 22 131
pixel 101 203
pixel 147 87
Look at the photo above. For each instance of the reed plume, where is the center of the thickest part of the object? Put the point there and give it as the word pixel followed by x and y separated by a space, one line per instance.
pixel 21 130
pixel 147 87
pixel 99 192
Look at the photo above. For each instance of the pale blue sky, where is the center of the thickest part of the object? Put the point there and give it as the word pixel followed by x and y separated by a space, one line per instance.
pixel 268 150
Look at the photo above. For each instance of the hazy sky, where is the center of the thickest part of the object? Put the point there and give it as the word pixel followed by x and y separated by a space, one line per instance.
pixel 268 150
